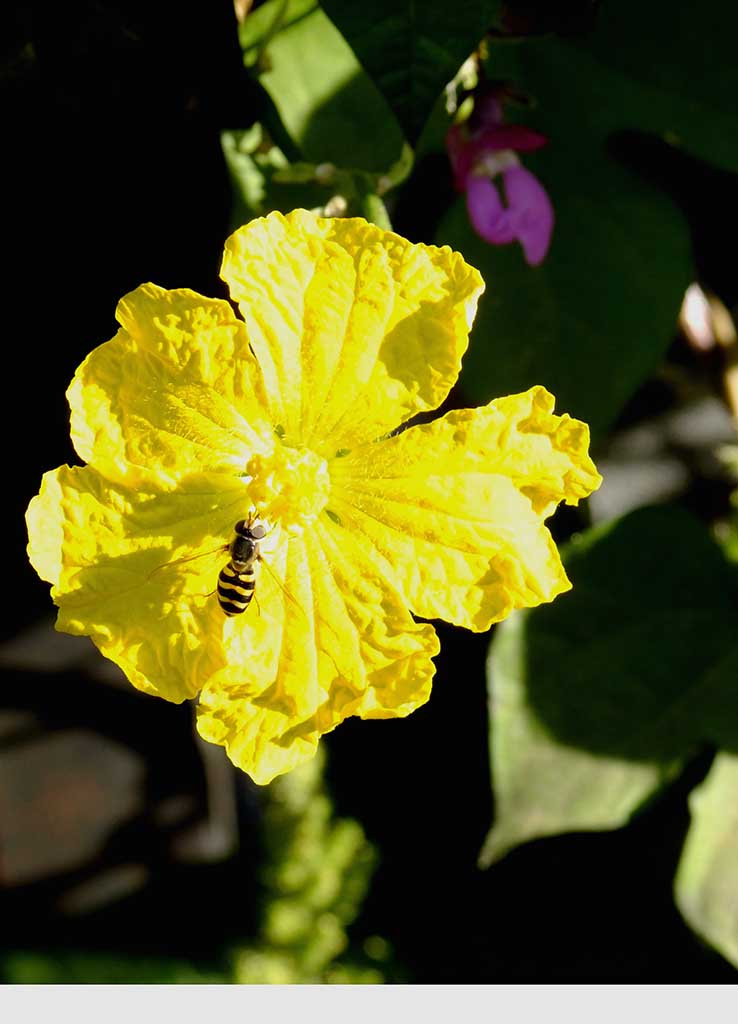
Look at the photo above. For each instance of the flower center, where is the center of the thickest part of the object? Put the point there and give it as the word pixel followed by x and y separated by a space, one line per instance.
pixel 496 161
pixel 288 485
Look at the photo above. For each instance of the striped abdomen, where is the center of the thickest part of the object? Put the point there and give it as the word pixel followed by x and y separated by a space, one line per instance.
pixel 235 587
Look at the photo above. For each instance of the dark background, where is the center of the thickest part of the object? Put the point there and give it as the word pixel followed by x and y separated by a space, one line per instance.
pixel 113 176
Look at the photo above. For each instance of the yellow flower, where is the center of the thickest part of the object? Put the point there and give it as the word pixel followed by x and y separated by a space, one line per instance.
pixel 192 418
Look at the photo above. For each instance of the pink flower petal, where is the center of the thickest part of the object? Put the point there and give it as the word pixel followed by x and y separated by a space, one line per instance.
pixel 488 217
pixel 461 155
pixel 531 212
pixel 513 136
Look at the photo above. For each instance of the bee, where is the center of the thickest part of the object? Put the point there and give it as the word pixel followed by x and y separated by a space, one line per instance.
pixel 236 580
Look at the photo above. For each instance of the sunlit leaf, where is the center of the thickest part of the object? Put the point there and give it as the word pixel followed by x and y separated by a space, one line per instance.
pixel 328 104
pixel 598 698
pixel 543 787
pixel 256 167
pixel 595 318
pixel 412 50
pixel 706 886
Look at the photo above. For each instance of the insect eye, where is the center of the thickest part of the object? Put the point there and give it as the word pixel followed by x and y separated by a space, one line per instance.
pixel 258 532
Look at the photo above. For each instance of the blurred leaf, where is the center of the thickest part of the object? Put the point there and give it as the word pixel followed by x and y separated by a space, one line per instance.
pixel 598 698
pixel 64 967
pixel 706 886
pixel 249 169
pixel 595 318
pixel 329 106
pixel 316 878
pixel 666 67
pixel 543 787
pixel 256 32
pixel 373 208
pixel 256 167
pixel 728 538
pixel 412 50
pixel 262 180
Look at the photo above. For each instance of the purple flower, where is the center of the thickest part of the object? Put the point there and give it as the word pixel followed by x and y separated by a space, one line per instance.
pixel 483 148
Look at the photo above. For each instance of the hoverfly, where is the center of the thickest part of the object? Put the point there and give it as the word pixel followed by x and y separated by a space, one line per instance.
pixel 236 582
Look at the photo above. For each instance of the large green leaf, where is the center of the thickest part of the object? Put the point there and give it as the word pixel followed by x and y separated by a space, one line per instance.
pixel 598 698
pixel 412 49
pixel 706 885
pixel 666 67
pixel 544 787
pixel 595 318
pixel 329 106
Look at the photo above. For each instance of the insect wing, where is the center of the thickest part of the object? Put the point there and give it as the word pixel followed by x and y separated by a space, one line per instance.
pixel 221 549
pixel 290 597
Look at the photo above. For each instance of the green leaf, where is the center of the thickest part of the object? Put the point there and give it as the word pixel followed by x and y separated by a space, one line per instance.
pixel 411 49
pixel 595 318
pixel 374 210
pixel 255 167
pixel 250 165
pixel 706 886
pixel 77 967
pixel 598 698
pixel 262 180
pixel 329 106
pixel 543 787
pixel 663 67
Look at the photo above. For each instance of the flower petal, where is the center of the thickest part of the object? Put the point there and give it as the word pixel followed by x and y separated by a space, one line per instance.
pixel 355 328
pixel 487 113
pixel 512 136
pixel 454 509
pixel 488 216
pixel 176 391
pixel 113 557
pixel 462 154
pixel 345 645
pixel 531 212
